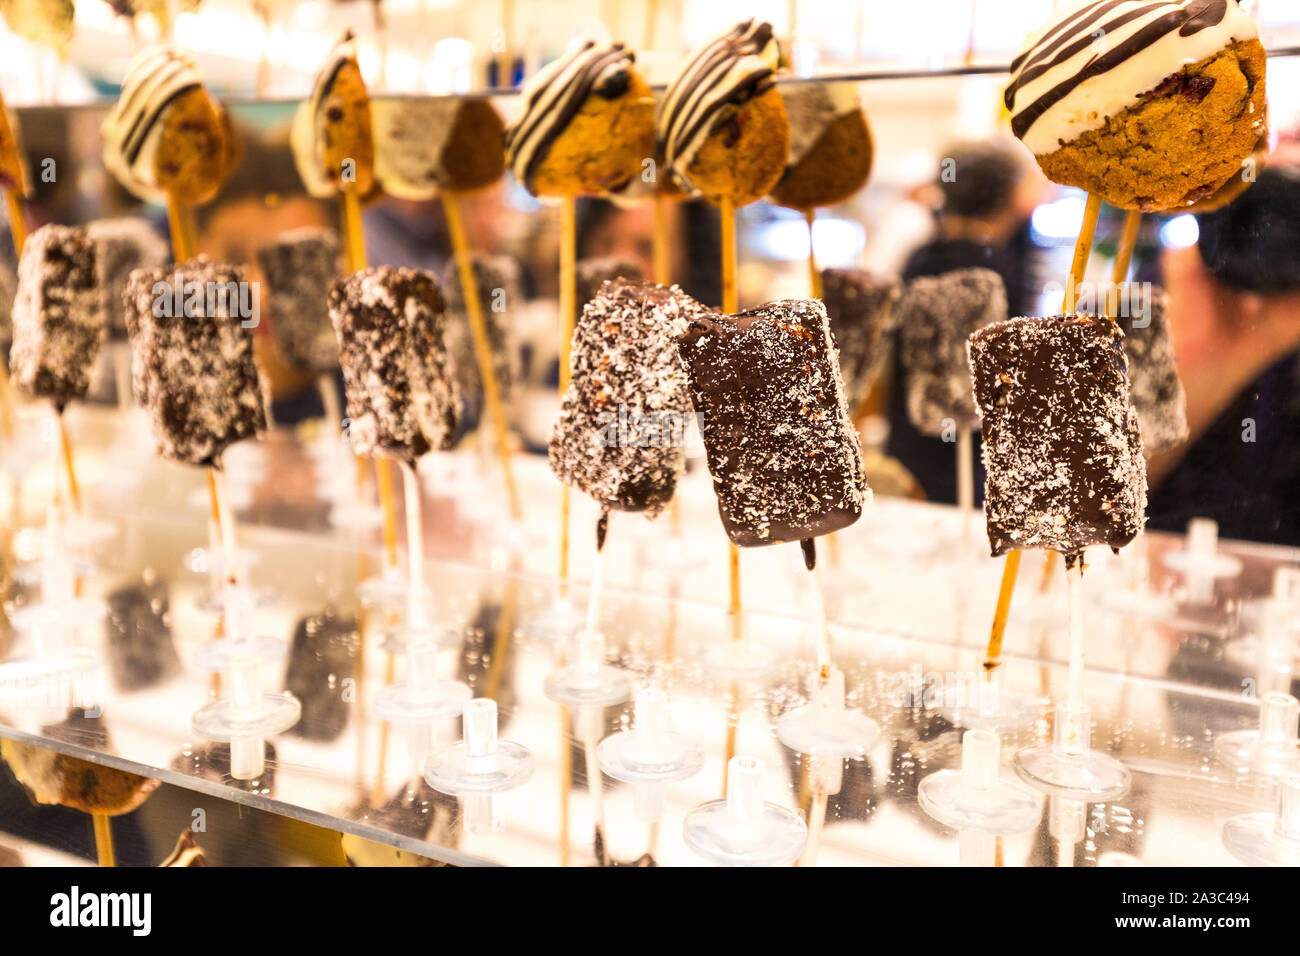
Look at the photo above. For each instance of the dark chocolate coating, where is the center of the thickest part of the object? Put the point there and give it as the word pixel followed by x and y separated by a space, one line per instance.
pixel 1154 386
pixel 863 311
pixel 937 315
pixel 194 374
pixel 300 267
pixel 140 648
pixel 785 459
pixel 58 315
pixel 323 656
pixel 618 436
pixel 1061 443
pixel 401 400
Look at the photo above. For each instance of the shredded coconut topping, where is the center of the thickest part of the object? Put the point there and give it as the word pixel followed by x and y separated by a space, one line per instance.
pixel 194 373
pixel 401 400
pixel 1061 443
pixel 785 458
pixel 58 315
pixel 937 316
pixel 618 435
pixel 863 311
pixel 1156 390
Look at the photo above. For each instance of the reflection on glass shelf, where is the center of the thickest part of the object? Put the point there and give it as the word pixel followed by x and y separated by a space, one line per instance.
pixel 908 632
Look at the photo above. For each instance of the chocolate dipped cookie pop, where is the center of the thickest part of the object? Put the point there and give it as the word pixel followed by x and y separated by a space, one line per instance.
pixel 937 315
pixel 300 267
pixel 1061 444
pixel 423 146
pixel 167 138
pixel 785 459
pixel 138 632
pixel 722 123
pixel 193 366
pixel 55 778
pixel 618 433
pixel 863 312
pixel 322 658
pixel 831 149
pixel 586 126
pixel 332 136
pixel 400 396
pixel 58 315
pixel 1151 105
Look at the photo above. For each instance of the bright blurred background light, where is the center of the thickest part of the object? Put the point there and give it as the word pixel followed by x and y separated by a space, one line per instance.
pixel 1180 232
pixel 1058 222
pixel 839 241
pixel 452 70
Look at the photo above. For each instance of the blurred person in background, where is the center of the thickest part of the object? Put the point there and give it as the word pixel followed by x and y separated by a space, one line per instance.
pixel 983 196
pixel 1234 312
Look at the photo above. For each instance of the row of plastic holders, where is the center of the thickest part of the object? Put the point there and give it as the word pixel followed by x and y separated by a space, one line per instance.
pixel 247 715
pixel 1199 562
pixel 52 626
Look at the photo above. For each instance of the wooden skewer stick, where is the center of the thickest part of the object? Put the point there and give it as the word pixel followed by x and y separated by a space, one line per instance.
pixel 568 306
pixel 505 56
pixel 354 245
pixel 482 345
pixel 74 487
pixel 1123 258
pixel 18 231
pixel 663 271
pixel 103 839
pixel 648 34
pixel 181 249
pixel 1078 266
pixel 730 306
pixel 17 220
pixel 814 274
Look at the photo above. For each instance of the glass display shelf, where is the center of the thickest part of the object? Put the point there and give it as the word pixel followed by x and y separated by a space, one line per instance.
pixel 909 592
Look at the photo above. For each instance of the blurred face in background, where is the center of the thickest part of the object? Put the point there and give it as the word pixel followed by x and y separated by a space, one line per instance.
pixel 628 233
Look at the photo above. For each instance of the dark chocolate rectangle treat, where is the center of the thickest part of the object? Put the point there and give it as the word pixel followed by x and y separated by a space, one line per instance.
pixel 58 315
pixel 401 399
pixel 192 358
pixel 1061 443
pixel 936 317
pixel 619 432
pixel 322 659
pixel 1156 389
pixel 785 458
pixel 300 266
pixel 863 311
